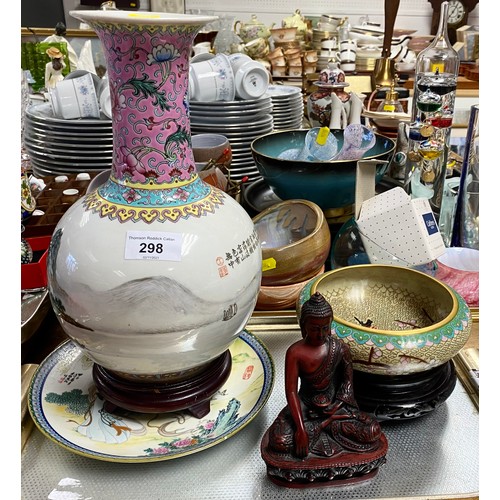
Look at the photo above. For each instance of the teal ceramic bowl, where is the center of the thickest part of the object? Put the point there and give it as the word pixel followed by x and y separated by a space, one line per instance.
pixel 395 320
pixel 329 184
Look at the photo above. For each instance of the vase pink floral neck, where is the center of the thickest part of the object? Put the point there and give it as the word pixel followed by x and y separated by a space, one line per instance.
pixel 153 174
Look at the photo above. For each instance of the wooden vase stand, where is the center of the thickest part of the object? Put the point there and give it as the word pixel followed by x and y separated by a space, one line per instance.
pixel 192 392
pixel 401 397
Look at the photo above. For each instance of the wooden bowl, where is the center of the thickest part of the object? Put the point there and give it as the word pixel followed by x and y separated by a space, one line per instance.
pixel 295 241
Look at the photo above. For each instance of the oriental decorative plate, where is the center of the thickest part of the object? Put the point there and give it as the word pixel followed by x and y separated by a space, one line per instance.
pixel 65 407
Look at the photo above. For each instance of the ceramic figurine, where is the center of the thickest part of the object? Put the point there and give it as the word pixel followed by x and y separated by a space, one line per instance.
pixel 54 68
pixel 321 437
pixel 59 37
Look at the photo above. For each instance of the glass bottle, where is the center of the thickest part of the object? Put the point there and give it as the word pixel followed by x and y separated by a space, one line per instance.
pixel 436 74
pixel 226 41
pixel 391 102
pixel 343 30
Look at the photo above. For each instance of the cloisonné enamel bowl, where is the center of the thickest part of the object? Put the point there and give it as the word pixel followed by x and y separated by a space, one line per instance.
pixel 395 320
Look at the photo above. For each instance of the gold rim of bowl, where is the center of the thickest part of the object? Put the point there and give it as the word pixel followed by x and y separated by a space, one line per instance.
pixel 413 331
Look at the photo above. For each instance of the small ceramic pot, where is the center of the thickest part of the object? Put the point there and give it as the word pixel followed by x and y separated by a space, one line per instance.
pixel 211 147
pixel 332 75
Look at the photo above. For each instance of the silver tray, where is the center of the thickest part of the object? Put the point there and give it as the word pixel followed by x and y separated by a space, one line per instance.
pixel 431 457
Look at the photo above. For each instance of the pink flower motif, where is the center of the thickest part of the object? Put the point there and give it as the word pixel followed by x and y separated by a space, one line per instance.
pixel 161 450
pixel 209 425
pixel 183 443
pixel 131 195
pixel 119 105
pixel 180 194
pixel 133 166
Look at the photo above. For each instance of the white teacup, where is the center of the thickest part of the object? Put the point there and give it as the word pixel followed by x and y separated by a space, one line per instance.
pixel 284 34
pixel 201 49
pixel 251 80
pixel 348 45
pixel 310 56
pixel 310 67
pixel 238 60
pixel 348 66
pixel 295 61
pixel 324 26
pixel 257 48
pixel 278 61
pixel 276 52
pixel 329 18
pixel 212 80
pixel 76 98
pixel 295 70
pixel 329 44
pixel 279 70
pixel 347 56
pixel 348 49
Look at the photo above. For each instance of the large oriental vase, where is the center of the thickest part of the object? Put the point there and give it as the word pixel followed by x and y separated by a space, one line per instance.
pixel 155 273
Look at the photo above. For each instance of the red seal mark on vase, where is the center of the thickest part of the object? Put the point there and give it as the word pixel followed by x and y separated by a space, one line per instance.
pixel 222 267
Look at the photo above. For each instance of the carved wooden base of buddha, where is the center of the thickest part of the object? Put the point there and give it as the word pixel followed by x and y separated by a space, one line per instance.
pixel 338 470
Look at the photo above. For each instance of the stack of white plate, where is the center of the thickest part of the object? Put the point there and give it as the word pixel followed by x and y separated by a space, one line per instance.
pixel 241 122
pixel 57 146
pixel 288 106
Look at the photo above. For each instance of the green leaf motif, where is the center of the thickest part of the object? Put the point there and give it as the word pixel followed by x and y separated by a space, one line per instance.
pixel 148 88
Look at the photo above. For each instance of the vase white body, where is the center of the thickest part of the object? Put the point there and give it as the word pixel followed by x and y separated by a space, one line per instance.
pixel 155 272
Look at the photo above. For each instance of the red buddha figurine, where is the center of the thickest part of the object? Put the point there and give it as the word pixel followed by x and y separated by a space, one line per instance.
pixel 321 437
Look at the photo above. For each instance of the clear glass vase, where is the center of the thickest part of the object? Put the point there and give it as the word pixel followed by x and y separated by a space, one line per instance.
pixel 155 273
pixel 436 74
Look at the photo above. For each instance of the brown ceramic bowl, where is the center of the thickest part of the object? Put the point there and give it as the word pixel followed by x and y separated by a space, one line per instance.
pixel 295 241
pixel 280 297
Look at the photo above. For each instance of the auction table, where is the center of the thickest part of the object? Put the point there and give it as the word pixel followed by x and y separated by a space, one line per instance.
pixel 434 456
